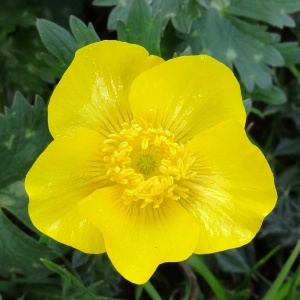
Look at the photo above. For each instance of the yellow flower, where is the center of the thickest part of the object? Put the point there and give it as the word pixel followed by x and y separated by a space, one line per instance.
pixel 150 161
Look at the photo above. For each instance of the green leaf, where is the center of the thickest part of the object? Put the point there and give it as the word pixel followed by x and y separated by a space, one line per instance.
pixel 188 11
pixel 24 135
pixel 236 261
pixel 166 8
pixel 56 65
pixel 150 289
pixel 236 43
pixel 294 292
pixel 199 267
pixel 258 264
pixel 288 146
pixel 271 294
pixel 119 14
pixel 21 63
pixel 290 52
pixel 83 34
pixel 204 3
pixel 274 12
pixel 282 226
pixel 20 253
pixel 68 278
pixel 273 95
pixel 105 2
pixel 290 176
pixel 141 27
pixel 57 40
pixel 248 105
pixel 14 199
pixel 16 13
pixel 290 289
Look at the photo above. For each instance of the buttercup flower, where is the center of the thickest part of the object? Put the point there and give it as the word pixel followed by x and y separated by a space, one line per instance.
pixel 150 161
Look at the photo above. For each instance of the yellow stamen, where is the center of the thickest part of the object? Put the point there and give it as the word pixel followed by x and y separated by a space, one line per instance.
pixel 150 165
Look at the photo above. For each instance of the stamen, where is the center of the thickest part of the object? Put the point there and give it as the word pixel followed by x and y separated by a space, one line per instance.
pixel 150 165
pixel 145 144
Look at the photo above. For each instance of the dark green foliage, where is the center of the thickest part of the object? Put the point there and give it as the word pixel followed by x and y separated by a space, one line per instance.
pixel 274 12
pixel 142 27
pixel 83 34
pixel 21 64
pixel 58 41
pixel 255 38
pixel 246 47
pixel 19 253
pixel 62 44
pixel 23 136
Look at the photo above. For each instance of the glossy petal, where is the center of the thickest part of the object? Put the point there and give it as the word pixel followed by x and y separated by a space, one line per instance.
pixel 93 92
pixel 234 189
pixel 65 173
pixel 138 240
pixel 186 95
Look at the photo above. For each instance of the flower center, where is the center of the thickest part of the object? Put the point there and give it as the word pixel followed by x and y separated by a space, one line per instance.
pixel 148 163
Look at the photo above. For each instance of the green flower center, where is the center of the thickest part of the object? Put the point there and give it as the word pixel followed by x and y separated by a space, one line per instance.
pixel 146 164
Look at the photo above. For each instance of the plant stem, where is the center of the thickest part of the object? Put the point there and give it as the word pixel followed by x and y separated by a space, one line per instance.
pixel 190 276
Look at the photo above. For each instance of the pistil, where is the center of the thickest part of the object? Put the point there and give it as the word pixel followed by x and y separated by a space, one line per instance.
pixel 148 163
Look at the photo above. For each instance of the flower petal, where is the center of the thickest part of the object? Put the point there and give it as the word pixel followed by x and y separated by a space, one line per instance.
pixel 138 239
pixel 93 92
pixel 186 95
pixel 234 190
pixel 65 173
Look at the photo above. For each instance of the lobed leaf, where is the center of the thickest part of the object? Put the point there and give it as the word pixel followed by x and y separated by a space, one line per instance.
pixel 183 19
pixel 83 34
pixel 21 63
pixel 142 27
pixel 236 261
pixel 282 226
pixel 248 105
pixel 274 12
pixel 272 95
pixel 166 8
pixel 57 40
pixel 228 40
pixel 288 146
pixel 62 44
pixel 14 199
pixel 19 252
pixel 290 52
pixel 24 135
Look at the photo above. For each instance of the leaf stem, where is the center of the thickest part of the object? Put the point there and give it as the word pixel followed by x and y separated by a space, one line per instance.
pixel 190 276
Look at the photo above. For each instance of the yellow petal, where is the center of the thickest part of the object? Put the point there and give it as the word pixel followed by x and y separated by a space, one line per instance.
pixel 93 92
pixel 186 95
pixel 138 239
pixel 234 190
pixel 65 173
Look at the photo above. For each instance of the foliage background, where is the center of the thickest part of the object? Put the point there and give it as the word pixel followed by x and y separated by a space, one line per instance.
pixel 258 39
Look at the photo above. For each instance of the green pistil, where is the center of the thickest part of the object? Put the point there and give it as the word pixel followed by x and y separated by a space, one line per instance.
pixel 146 164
